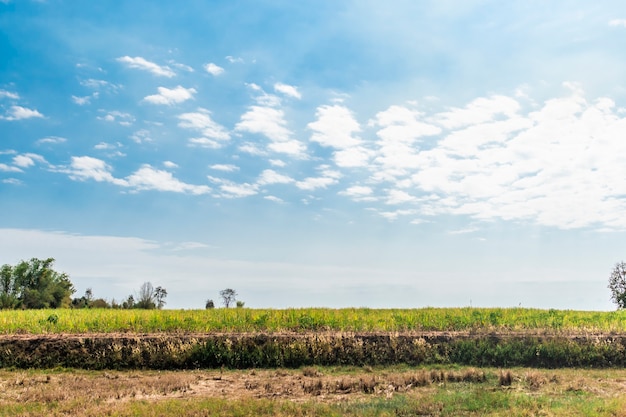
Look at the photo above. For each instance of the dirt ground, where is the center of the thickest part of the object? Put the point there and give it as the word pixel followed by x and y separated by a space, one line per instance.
pixel 325 385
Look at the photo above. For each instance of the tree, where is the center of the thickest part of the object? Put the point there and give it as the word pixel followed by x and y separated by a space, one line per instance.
pixel 617 285
pixel 209 304
pixel 145 298
pixel 34 284
pixel 129 303
pixel 8 292
pixel 229 296
pixel 159 295
pixel 150 297
pixel 240 304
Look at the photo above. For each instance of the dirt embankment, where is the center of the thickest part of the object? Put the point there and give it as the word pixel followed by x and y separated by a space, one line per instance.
pixel 260 350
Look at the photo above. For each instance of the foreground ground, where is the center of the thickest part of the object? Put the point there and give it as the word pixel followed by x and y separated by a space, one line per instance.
pixel 313 391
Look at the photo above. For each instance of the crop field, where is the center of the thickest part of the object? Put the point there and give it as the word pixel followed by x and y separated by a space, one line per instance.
pixel 313 362
pixel 244 320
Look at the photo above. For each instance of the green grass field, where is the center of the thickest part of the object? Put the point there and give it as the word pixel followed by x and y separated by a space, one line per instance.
pixel 316 319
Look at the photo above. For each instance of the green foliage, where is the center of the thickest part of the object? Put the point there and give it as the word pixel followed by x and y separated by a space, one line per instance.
pixel 34 285
pixel 473 320
pixel 617 285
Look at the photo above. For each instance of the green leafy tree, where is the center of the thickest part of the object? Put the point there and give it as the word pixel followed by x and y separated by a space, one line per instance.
pixel 8 292
pixel 617 285
pixel 34 284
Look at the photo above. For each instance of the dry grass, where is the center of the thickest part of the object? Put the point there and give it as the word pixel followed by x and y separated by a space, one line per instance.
pixel 32 393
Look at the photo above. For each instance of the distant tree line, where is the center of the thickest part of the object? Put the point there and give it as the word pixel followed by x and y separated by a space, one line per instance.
pixel 35 284
pixel 148 298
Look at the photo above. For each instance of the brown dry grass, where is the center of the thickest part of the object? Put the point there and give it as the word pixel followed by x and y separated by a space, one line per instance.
pixel 98 393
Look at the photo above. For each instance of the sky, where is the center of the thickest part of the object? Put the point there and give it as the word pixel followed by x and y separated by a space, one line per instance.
pixel 353 153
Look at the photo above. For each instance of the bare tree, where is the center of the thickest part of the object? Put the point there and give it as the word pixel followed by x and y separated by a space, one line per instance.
pixel 229 296
pixel 146 297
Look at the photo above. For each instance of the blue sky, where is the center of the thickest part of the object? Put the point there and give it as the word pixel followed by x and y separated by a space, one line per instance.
pixel 327 153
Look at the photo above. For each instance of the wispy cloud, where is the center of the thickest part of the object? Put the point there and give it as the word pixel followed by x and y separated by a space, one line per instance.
pixel 288 90
pixel 51 140
pixel 9 94
pixel 115 116
pixel 617 22
pixel 225 167
pixel 145 65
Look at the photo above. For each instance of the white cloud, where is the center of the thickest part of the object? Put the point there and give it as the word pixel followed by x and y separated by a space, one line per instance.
pixel 482 109
pixel 21 113
pixel 81 101
pixel 234 190
pixel 9 94
pixel 52 140
pixel 359 193
pixel 172 96
pixel 617 22
pixel 274 199
pixel 560 165
pixel 234 60
pixel 145 65
pixel 180 66
pixel 464 231
pixel 201 121
pixel 334 127
pixel 85 168
pixel 124 119
pixel 9 168
pixel 269 176
pixel 141 136
pixel 204 143
pixel 104 146
pixel 224 167
pixel 277 163
pixel 100 85
pixel 393 215
pixel 288 90
pixel 213 69
pixel 401 130
pixel 270 122
pixel 170 164
pixel 12 181
pixel 27 160
pixel 251 149
pixel 313 183
pixel 149 178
